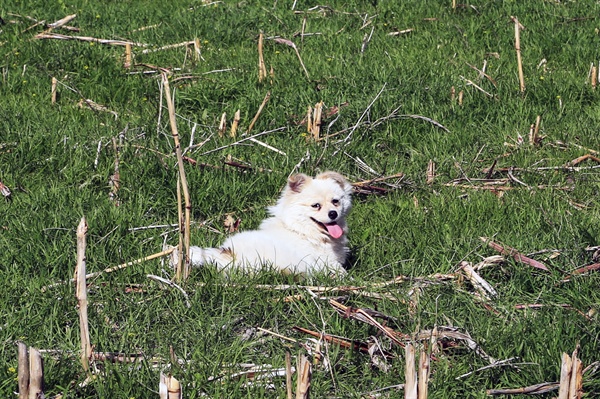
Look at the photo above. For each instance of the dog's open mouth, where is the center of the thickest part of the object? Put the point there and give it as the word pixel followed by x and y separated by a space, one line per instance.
pixel 333 229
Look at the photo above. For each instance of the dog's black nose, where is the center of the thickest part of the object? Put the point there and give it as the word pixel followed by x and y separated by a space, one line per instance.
pixel 332 215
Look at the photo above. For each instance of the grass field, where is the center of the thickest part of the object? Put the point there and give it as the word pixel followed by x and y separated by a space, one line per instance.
pixel 390 75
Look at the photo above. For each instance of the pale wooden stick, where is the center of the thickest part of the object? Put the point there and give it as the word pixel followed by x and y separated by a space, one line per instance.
pixel 516 255
pixel 53 89
pixel 267 146
pixel 36 374
pixel 87 39
pixel 518 27
pixel 410 385
pixel 169 388
pixel 536 389
pixel 534 131
pixel 471 83
pixel 81 293
pixel 128 58
pixel 575 384
pixel 222 124
pixel 293 45
pixel 316 120
pixel 23 371
pixel 234 125
pixel 276 334
pixel 262 69
pixel 401 32
pixel 180 219
pixel 143 28
pixel 133 262
pixel 262 105
pixel 197 52
pixel 430 172
pixel 594 77
pixel 186 194
pixel 167 47
pixel 484 288
pixel 62 21
pixel 424 371
pixel 114 268
pixel 304 373
pixel 565 376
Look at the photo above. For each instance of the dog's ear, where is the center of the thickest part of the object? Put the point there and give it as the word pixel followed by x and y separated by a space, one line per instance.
pixel 297 181
pixel 338 178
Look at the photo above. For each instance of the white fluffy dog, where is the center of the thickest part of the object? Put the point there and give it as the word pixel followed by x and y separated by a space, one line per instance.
pixel 306 232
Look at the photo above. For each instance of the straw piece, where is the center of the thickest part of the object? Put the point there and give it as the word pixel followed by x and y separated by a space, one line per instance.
pixel 536 389
pixel 316 120
pixel 424 372
pixel 169 46
pixel 516 255
pixel 222 124
pixel 576 381
pixel 430 173
pixel 518 28
pixel 197 52
pixel 565 376
pixel 63 21
pixel 293 45
pixel 36 374
pixel 88 39
pixel 169 388
pixel 262 105
pixel 127 63
pixel 262 69
pixel 185 224
pixel 304 374
pixel 484 288
pixel 53 89
pixel 23 371
pixel 81 293
pixel 410 385
pixel 234 125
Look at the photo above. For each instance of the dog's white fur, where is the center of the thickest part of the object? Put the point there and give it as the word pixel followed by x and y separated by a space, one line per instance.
pixel 306 232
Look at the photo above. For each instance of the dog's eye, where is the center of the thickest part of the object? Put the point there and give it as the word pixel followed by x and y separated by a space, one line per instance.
pixel 335 202
pixel 316 206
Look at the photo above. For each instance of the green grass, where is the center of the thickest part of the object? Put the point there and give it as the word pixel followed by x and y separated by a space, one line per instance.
pixel 48 154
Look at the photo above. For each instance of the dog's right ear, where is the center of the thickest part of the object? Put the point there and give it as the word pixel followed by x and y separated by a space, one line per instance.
pixel 297 181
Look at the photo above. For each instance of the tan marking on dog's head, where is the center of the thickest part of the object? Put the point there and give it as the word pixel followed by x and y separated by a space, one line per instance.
pixel 297 181
pixel 335 176
pixel 228 252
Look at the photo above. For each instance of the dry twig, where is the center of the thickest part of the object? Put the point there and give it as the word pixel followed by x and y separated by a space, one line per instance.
pixel 410 373
pixel 185 224
pixel 304 375
pixel 518 28
pixel 80 279
pixel 516 255
pixel 293 45
pixel 88 39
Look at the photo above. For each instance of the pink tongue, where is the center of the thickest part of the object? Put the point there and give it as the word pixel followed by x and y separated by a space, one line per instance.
pixel 334 230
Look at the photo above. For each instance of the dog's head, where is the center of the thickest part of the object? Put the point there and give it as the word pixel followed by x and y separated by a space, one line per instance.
pixel 320 203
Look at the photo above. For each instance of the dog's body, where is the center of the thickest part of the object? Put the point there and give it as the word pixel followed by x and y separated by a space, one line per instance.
pixel 306 232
